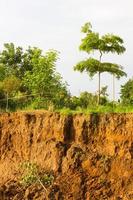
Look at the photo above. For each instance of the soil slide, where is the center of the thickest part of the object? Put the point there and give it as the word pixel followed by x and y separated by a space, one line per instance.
pixel 91 156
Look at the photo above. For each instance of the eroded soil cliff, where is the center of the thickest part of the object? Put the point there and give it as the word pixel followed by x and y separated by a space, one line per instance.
pixel 91 156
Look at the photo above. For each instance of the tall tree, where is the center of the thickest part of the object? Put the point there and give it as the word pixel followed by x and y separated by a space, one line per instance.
pixel 43 79
pixel 103 44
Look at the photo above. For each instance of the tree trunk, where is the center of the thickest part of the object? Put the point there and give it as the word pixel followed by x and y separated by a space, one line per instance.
pixel 113 88
pixel 6 102
pixel 99 87
pixel 99 77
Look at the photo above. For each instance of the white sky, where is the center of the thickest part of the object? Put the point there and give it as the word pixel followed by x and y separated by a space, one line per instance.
pixel 56 24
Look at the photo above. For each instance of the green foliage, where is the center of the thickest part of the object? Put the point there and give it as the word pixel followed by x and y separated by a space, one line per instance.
pixel 113 69
pixel 105 44
pixel 29 80
pixel 112 43
pixel 45 81
pixel 74 102
pixel 40 79
pixel 33 74
pixel 108 108
pixel 87 28
pixel 11 58
pixel 127 93
pixel 65 111
pixel 87 99
pixel 47 179
pixel 90 66
pixel 10 85
pixel 108 43
pixel 2 72
pixel 90 42
pixel 32 174
pixel 8 90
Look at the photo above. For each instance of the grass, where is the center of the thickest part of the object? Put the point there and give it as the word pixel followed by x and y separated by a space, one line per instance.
pixel 98 109
pixel 92 109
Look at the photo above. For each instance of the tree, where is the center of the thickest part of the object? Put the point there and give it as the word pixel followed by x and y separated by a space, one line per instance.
pixel 103 44
pixel 11 58
pixel 16 61
pixel 10 86
pixel 43 79
pixel 127 93
pixel 36 73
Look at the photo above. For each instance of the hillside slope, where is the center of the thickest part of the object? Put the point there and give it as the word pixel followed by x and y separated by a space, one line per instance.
pixel 91 156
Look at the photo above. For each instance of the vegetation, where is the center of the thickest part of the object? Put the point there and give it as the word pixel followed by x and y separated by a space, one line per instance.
pixel 29 80
pixel 104 44
pixel 32 174
pixel 127 93
pixel 33 76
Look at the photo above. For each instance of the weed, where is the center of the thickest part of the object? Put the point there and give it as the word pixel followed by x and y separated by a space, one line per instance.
pixel 32 174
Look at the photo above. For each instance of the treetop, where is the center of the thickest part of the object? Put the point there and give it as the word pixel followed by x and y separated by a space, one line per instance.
pixel 104 44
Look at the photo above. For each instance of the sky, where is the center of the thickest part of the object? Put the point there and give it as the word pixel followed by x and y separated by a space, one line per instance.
pixel 56 24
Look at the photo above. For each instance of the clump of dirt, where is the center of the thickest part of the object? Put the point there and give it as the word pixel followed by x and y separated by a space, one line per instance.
pixel 91 155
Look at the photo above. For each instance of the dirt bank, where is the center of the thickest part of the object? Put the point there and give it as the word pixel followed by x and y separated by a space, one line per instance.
pixel 91 156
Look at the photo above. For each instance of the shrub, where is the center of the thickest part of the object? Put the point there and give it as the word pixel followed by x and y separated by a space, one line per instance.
pixel 32 174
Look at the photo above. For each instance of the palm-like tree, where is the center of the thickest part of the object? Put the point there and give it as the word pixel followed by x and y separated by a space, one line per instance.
pixel 108 43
